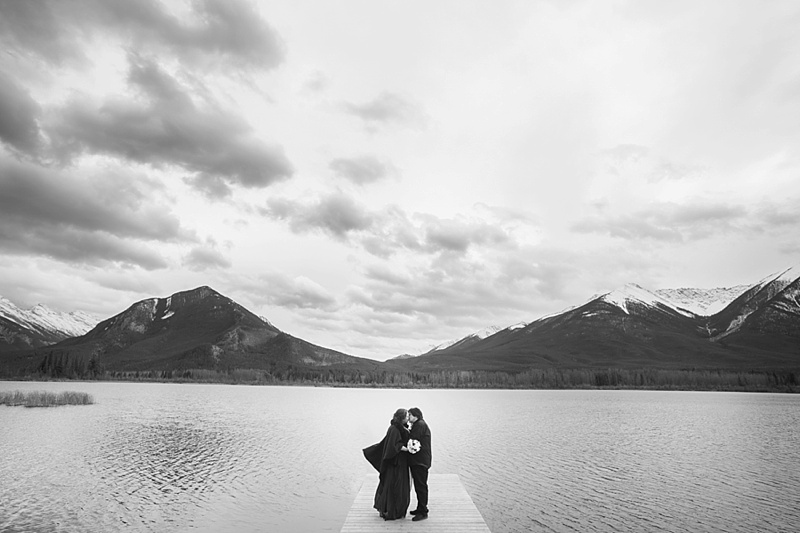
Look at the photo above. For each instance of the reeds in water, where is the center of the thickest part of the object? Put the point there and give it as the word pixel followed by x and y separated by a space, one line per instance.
pixel 45 398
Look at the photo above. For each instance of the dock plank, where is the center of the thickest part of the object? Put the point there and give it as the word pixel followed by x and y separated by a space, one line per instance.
pixel 452 510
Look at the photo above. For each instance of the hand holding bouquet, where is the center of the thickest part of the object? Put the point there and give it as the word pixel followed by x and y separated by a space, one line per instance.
pixel 413 446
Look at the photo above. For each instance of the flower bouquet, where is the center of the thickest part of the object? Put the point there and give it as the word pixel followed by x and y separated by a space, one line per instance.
pixel 413 446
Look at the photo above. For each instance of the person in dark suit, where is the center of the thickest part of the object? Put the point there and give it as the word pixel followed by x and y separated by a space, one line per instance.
pixel 420 462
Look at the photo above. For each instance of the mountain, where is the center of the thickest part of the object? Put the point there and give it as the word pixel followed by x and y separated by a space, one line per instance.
pixel 470 339
pixel 630 327
pixel 194 329
pixel 39 326
pixel 633 327
pixel 703 302
pixel 766 314
pixel 467 341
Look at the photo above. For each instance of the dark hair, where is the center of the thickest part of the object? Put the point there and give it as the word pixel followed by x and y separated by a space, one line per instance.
pixel 399 417
pixel 416 412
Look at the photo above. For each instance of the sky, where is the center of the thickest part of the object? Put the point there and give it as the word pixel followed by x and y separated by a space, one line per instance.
pixel 378 177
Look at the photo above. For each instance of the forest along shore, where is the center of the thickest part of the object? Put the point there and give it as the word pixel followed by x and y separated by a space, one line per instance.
pixel 645 379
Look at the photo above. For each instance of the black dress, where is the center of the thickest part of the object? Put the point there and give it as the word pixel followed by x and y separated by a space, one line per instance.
pixel 393 495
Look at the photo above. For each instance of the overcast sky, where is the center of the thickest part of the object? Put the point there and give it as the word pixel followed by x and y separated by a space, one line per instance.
pixel 378 177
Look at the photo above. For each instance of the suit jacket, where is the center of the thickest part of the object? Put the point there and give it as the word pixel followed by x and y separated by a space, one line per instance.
pixel 421 432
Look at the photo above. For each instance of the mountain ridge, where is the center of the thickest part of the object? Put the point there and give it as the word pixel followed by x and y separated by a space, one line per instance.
pixel 694 300
pixel 629 327
pixel 632 327
pixel 194 329
pixel 39 325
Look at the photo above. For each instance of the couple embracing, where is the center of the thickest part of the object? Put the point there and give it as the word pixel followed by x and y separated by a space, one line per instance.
pixel 404 453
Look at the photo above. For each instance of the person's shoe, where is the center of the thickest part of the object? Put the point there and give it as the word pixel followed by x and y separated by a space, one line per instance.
pixel 415 511
pixel 420 516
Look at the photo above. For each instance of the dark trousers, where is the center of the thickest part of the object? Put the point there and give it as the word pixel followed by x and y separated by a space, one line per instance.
pixel 420 476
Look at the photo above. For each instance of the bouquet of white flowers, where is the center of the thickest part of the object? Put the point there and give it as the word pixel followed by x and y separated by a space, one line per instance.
pixel 413 446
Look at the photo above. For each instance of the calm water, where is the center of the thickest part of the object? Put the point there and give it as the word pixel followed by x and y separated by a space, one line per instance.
pixel 164 457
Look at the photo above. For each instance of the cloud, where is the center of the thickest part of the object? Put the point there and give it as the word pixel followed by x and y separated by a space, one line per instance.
pixel 131 282
pixel 635 162
pixel 41 27
pixel 430 234
pixel 19 115
pixel 222 33
pixel 387 108
pixel 300 292
pixel 363 169
pixel 83 219
pixel 74 246
pixel 389 230
pixel 459 234
pixel 669 222
pixel 200 259
pixel 165 127
pixel 316 83
pixel 212 187
pixel 448 290
pixel 336 214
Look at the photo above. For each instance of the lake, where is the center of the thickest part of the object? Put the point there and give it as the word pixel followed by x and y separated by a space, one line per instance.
pixel 218 458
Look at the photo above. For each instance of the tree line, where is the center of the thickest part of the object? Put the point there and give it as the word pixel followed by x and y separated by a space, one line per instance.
pixel 62 365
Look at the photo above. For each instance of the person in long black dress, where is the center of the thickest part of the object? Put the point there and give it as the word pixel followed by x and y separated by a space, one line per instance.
pixel 390 458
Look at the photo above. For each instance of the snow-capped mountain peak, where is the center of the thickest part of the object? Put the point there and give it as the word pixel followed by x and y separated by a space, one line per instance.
pixel 703 302
pixel 42 318
pixel 632 292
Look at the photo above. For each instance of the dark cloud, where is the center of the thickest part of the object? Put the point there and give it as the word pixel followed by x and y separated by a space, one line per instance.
pixel 337 215
pixel 669 222
pixel 80 219
pixel 385 232
pixel 41 27
pixel 165 127
pixel 387 108
pixel 220 32
pixel 213 187
pixel 125 281
pixel 199 259
pixel 75 246
pixel 362 170
pixel 19 115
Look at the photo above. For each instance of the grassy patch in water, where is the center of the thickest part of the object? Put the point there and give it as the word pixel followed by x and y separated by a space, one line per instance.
pixel 45 398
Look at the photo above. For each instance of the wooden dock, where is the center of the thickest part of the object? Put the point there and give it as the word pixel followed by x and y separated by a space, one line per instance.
pixel 451 510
